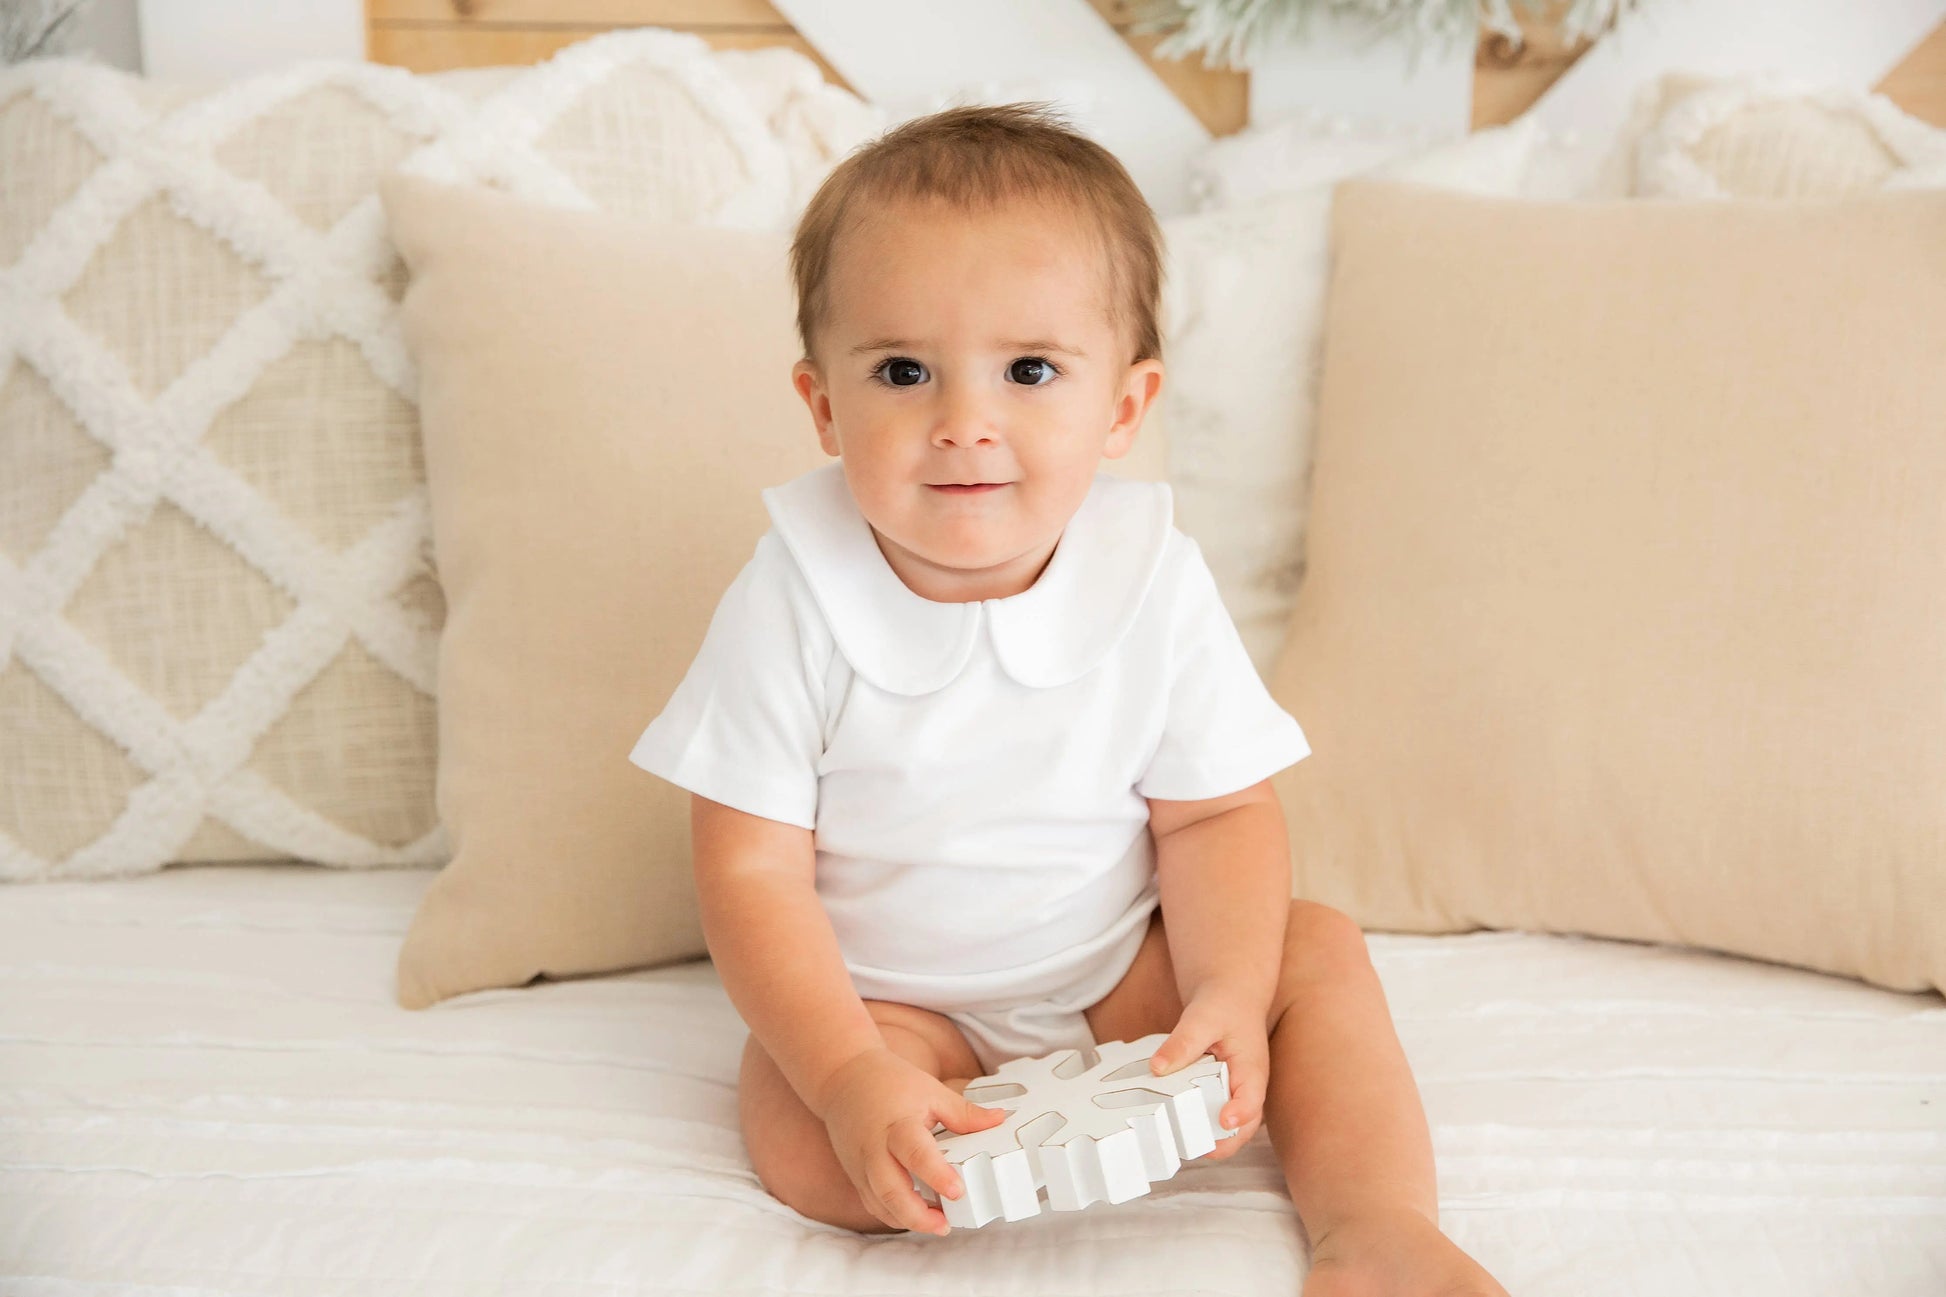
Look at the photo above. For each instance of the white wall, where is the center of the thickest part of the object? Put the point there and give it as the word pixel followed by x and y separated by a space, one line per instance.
pixel 1338 68
pixel 221 40
pixel 109 30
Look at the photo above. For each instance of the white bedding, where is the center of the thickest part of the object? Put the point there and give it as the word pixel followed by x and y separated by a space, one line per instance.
pixel 205 1087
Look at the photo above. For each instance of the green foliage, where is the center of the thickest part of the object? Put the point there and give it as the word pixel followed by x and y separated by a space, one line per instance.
pixel 1234 33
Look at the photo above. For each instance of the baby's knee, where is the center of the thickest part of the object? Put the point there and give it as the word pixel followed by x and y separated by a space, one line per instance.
pixel 791 1151
pixel 1319 935
pixel 807 1178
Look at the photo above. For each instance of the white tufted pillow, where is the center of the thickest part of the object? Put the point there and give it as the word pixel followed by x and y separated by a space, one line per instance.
pixel 218 605
pixel 1777 137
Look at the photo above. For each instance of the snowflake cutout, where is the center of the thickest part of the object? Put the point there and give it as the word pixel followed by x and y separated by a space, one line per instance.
pixel 1083 1131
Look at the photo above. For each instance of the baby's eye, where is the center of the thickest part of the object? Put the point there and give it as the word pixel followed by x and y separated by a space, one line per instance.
pixel 901 367
pixel 1039 371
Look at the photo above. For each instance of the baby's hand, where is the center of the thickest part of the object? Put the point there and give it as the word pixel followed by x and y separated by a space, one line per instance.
pixel 1230 1027
pixel 879 1115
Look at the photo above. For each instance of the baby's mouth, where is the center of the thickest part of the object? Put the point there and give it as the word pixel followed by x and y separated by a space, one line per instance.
pixel 959 488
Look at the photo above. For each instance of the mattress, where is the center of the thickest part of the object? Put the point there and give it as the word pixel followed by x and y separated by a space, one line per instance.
pixel 207 1088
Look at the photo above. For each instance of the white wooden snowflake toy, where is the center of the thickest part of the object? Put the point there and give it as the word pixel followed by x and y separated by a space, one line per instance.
pixel 1085 1134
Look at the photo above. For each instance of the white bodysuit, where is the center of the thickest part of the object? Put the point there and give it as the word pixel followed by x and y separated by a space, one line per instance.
pixel 974 773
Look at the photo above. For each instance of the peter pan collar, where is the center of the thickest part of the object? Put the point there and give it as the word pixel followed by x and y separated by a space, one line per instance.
pixel 1053 632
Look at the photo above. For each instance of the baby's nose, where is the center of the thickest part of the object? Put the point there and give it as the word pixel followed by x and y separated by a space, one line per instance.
pixel 964 435
pixel 964 419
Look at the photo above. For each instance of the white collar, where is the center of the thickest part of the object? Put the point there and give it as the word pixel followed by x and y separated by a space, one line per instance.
pixel 1050 633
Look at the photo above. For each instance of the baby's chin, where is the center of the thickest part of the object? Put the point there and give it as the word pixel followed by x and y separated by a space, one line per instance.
pixel 961 561
pixel 965 554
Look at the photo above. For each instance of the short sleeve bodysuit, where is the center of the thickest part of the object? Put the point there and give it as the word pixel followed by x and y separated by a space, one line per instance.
pixel 974 773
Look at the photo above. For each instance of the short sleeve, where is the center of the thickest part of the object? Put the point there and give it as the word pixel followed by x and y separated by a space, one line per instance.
pixel 745 724
pixel 1222 731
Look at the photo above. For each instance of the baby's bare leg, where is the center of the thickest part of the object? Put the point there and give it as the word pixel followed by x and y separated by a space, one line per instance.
pixel 1345 1118
pixel 788 1144
pixel 1341 1108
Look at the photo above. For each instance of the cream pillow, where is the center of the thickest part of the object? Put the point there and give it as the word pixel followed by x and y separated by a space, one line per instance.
pixel 602 402
pixel 1777 137
pixel 1626 605
pixel 218 614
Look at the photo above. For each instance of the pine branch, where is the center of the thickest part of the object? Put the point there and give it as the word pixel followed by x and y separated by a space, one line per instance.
pixel 1235 34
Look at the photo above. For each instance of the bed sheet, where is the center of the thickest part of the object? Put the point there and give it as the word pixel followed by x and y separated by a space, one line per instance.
pixel 207 1088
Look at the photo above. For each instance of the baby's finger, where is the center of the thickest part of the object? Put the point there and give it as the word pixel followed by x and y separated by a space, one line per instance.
pixel 1192 1038
pixel 1249 1079
pixel 1232 1146
pixel 912 1142
pixel 893 1199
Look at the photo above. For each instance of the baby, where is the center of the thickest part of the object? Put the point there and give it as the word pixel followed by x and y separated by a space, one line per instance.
pixel 973 721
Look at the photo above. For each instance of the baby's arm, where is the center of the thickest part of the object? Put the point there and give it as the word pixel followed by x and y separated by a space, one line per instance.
pixel 773 944
pixel 1223 868
pixel 778 957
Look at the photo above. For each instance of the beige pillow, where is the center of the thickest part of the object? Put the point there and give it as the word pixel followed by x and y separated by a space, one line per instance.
pixel 218 619
pixel 1776 137
pixel 1626 605
pixel 602 402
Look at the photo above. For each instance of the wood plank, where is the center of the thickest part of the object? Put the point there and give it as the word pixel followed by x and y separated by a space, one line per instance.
pixel 1918 84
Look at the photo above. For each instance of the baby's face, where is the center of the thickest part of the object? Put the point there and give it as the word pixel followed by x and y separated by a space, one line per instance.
pixel 965 348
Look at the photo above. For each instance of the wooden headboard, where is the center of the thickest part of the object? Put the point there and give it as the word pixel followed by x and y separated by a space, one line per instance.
pixel 433 35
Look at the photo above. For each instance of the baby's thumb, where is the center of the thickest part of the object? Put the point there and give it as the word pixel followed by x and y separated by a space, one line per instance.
pixel 961 1115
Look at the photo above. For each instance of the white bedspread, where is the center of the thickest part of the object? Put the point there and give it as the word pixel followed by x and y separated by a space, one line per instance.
pixel 206 1087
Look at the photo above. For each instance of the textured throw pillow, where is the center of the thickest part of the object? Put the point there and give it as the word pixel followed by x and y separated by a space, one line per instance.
pixel 218 617
pixel 1777 137
pixel 1243 320
pixel 1626 605
pixel 602 402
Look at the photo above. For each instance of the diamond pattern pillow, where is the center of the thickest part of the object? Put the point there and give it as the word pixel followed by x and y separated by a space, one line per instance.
pixel 218 600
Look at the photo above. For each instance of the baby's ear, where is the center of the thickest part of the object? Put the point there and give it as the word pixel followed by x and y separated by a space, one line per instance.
pixel 809 384
pixel 1140 386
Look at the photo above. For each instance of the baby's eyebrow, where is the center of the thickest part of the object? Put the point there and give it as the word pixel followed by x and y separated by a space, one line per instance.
pixel 879 344
pixel 1011 344
pixel 1043 344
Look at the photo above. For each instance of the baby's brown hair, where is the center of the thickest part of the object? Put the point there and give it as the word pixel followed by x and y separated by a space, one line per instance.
pixel 976 158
